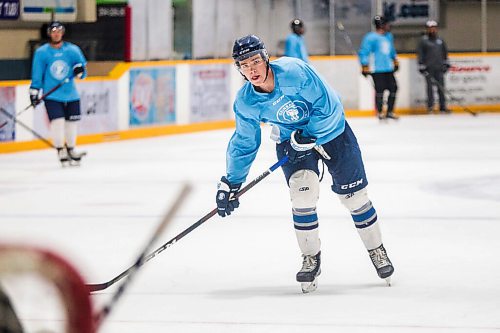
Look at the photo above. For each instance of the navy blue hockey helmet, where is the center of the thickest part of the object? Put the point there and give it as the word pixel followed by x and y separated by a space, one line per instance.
pixel 248 46
pixel 55 25
pixel 296 24
pixel 379 21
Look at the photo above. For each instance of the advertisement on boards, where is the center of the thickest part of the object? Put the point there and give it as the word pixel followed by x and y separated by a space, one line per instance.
pixel 9 10
pixel 470 81
pixel 210 93
pixel 152 96
pixel 41 10
pixel 7 103
pixel 97 105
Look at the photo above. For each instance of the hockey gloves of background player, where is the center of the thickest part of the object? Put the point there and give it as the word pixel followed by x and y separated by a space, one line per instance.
pixel 226 203
pixel 395 62
pixel 78 71
pixel 365 70
pixel 35 100
pixel 446 67
pixel 422 69
pixel 299 147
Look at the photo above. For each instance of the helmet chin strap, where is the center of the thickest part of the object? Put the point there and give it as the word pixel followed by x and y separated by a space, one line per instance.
pixel 267 70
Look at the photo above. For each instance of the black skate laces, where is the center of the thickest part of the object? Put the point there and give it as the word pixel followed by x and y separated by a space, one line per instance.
pixel 379 257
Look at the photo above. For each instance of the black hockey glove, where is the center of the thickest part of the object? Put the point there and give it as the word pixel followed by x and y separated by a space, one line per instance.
pixel 365 70
pixel 446 67
pixel 35 100
pixel 299 147
pixel 226 203
pixel 396 65
pixel 78 70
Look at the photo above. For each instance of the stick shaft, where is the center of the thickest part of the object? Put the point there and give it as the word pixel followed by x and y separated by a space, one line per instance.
pixel 26 127
pixel 100 316
pixel 102 286
pixel 447 92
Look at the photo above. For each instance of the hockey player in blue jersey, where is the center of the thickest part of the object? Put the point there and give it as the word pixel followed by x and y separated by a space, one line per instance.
pixel 377 49
pixel 295 45
pixel 308 124
pixel 53 63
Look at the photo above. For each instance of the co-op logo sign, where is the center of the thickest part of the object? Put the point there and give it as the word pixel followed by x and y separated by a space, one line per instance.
pixel 293 111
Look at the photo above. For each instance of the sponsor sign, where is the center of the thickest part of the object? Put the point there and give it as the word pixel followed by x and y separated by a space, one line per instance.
pixel 210 93
pixel 470 80
pixel 410 12
pixel 7 102
pixel 97 105
pixel 9 9
pixel 41 10
pixel 152 96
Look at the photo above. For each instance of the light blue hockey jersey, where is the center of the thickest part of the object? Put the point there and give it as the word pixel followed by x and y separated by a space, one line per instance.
pixel 295 47
pixel 382 48
pixel 51 66
pixel 301 99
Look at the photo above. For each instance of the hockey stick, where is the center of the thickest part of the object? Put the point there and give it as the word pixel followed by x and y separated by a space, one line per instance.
pixel 348 40
pixel 26 127
pixel 141 259
pixel 59 85
pixel 447 92
pixel 102 286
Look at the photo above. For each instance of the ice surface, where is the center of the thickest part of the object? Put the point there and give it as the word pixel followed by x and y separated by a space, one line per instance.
pixel 434 180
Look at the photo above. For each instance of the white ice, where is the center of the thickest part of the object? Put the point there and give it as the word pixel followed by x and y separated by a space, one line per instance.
pixel 434 180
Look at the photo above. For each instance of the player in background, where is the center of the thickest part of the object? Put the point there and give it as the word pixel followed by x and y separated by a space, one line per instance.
pixel 378 58
pixel 295 45
pixel 307 117
pixel 433 63
pixel 54 62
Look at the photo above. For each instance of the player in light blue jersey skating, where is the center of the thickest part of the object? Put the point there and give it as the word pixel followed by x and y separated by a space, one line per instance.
pixel 295 46
pixel 308 125
pixel 377 49
pixel 58 62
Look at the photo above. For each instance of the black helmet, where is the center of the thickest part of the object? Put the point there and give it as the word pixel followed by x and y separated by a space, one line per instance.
pixel 248 46
pixel 296 24
pixel 379 21
pixel 55 25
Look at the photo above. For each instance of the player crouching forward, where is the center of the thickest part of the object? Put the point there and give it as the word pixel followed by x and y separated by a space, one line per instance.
pixel 54 63
pixel 307 117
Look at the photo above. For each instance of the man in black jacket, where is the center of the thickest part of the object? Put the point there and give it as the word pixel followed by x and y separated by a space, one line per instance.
pixel 433 64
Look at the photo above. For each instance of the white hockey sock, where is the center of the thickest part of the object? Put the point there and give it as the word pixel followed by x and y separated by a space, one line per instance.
pixel 309 242
pixel 57 132
pixel 70 129
pixel 371 236
pixel 364 217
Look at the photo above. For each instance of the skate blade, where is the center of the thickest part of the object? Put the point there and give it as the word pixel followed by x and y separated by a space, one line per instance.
pixel 309 287
pixel 388 281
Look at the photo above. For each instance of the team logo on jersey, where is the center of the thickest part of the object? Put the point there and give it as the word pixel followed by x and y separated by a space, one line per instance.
pixel 293 111
pixel 59 69
pixel 385 47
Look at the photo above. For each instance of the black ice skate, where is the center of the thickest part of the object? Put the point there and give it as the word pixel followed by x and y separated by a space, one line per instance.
pixel 75 157
pixel 62 153
pixel 391 115
pixel 311 269
pixel 382 263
